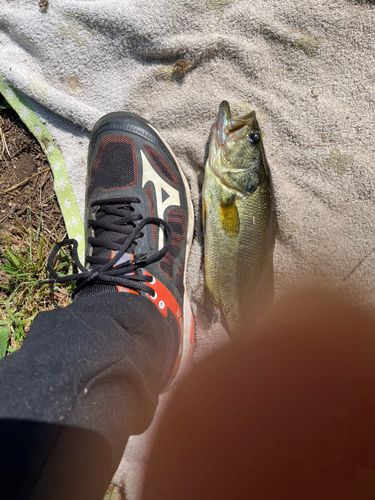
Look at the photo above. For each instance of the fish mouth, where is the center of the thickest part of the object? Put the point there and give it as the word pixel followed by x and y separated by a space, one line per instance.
pixel 225 125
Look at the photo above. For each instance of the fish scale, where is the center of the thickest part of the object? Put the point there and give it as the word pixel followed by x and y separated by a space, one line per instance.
pixel 238 254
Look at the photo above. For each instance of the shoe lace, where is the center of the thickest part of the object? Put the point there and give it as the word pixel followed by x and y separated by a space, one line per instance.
pixel 117 216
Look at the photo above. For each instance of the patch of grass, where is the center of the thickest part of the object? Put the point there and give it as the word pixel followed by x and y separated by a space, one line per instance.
pixel 4 146
pixel 23 263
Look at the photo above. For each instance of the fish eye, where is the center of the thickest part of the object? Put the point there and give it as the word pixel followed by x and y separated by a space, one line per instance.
pixel 254 137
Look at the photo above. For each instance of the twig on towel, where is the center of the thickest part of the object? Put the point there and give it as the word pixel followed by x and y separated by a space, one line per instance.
pixel 359 264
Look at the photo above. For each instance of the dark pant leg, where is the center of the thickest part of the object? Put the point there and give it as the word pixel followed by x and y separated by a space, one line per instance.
pixel 87 377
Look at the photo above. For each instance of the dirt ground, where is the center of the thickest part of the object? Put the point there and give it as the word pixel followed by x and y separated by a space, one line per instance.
pixel 28 206
pixel 26 183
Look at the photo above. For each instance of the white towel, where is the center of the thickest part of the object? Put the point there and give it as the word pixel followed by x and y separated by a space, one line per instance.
pixel 307 68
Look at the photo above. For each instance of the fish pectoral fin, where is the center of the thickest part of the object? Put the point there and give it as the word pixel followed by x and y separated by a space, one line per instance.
pixel 230 221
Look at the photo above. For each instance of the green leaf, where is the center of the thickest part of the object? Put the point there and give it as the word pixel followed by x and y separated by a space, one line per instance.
pixel 4 334
pixel 13 259
pixel 40 251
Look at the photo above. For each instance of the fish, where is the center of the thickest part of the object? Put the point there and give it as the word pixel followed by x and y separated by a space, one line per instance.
pixel 238 222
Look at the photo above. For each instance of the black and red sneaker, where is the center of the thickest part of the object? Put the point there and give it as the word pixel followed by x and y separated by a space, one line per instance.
pixel 139 223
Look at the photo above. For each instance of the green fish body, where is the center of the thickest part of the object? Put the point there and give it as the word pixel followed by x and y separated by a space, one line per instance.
pixel 238 221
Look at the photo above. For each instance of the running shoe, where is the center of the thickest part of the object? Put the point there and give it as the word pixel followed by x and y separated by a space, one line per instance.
pixel 139 224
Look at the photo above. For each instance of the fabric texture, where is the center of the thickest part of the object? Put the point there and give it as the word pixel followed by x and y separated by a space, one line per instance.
pixel 87 377
pixel 307 68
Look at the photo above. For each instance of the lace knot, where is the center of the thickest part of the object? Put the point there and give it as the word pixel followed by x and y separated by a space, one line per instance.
pixel 106 269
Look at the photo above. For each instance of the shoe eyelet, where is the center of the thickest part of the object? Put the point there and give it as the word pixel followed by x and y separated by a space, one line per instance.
pixel 161 304
pixel 153 280
pixel 154 297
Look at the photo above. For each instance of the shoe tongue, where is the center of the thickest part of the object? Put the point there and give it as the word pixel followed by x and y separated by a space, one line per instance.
pixel 98 251
pixel 108 235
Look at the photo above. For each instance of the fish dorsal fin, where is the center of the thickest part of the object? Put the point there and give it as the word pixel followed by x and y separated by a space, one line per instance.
pixel 230 221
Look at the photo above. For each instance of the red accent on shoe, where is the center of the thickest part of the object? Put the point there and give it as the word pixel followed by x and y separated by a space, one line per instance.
pixel 123 288
pixel 176 219
pixel 165 300
pixel 161 166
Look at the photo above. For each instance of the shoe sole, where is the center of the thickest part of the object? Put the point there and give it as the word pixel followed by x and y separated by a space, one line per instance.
pixel 188 333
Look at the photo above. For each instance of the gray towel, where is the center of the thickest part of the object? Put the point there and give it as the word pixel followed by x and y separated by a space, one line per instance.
pixel 307 68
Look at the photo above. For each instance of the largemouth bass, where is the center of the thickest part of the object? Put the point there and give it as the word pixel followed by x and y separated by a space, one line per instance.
pixel 238 221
